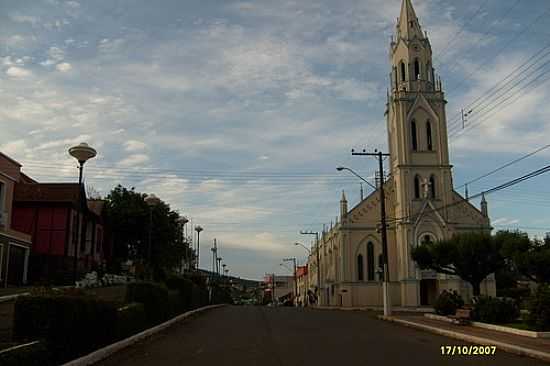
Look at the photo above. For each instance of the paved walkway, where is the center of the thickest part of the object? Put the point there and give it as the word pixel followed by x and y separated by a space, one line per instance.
pixel 248 335
pixel 528 343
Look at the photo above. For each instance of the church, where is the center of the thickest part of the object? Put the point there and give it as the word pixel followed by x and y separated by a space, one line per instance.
pixel 421 204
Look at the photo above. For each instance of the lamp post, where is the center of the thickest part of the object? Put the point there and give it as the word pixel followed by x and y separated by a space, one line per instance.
pixel 293 260
pixel 82 153
pixel 318 259
pixel 183 220
pixel 386 282
pixel 151 201
pixel 198 229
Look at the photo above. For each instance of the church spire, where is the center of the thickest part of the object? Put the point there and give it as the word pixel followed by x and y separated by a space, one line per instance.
pixel 408 25
pixel 343 207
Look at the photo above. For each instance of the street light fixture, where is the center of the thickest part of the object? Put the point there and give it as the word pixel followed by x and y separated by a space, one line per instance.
pixel 198 229
pixel 303 246
pixel 82 153
pixel 151 201
pixel 341 168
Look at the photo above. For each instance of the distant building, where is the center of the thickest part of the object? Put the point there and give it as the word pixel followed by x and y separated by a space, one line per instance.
pixel 421 204
pixel 303 284
pixel 14 245
pixel 284 287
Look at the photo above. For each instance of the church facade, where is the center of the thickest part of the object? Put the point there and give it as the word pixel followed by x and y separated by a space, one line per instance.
pixel 421 204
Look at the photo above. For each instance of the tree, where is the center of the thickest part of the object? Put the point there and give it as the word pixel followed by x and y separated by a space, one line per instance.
pixel 471 256
pixel 128 218
pixel 529 258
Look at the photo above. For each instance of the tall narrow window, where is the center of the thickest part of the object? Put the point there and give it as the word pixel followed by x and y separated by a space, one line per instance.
pixel 429 135
pixel 370 261
pixel 413 136
pixel 416 69
pixel 360 271
pixel 403 75
pixel 432 187
pixel 417 187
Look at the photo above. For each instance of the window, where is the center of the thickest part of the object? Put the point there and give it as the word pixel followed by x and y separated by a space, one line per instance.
pixel 370 261
pixel 413 136
pixel 360 274
pixel 417 187
pixel 416 70
pixel 403 75
pixel 432 186
pixel 2 192
pixel 429 135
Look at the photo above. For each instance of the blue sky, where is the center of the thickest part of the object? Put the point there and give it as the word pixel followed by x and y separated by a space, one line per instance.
pixel 238 112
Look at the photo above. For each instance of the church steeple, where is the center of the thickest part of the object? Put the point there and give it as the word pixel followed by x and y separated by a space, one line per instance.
pixel 408 26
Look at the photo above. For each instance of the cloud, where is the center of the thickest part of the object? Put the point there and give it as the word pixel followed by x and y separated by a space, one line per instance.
pixel 134 160
pixel 63 67
pixel 134 145
pixel 18 72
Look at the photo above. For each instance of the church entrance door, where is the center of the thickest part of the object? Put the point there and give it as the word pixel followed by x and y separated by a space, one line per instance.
pixel 428 292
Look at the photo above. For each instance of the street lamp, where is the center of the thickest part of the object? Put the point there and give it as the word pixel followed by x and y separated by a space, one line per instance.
pixel 151 201
pixel 293 260
pixel 82 153
pixel 183 220
pixel 303 246
pixel 386 282
pixel 341 168
pixel 198 229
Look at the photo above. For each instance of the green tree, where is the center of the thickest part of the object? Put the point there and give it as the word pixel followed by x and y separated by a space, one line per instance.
pixel 471 256
pixel 128 217
pixel 529 258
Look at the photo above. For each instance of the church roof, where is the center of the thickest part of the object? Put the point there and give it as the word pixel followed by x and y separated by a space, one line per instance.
pixel 408 25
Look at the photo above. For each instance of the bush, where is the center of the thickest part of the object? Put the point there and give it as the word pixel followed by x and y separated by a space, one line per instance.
pixel 32 355
pixel 131 319
pixel 539 309
pixel 184 286
pixel 221 295
pixel 154 298
pixel 70 326
pixel 495 310
pixel 448 302
pixel 516 293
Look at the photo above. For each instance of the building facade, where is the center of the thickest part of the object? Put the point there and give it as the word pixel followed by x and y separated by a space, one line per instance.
pixel 421 204
pixel 62 224
pixel 14 245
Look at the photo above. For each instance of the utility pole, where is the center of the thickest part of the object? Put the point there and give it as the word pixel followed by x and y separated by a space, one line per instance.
pixel 318 260
pixel 385 286
pixel 214 257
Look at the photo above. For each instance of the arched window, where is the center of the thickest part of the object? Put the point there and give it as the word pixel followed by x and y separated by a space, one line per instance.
pixel 416 69
pixel 432 186
pixel 429 135
pixel 360 271
pixel 413 136
pixel 370 261
pixel 403 75
pixel 416 186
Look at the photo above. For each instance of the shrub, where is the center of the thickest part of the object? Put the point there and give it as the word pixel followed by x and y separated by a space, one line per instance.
pixel 131 320
pixel 154 297
pixel 70 325
pixel 221 295
pixel 495 310
pixel 32 355
pixel 539 309
pixel 448 302
pixel 516 293
pixel 184 286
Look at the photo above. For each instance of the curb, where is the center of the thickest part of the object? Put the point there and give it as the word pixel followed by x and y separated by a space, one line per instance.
pixel 105 352
pixel 510 348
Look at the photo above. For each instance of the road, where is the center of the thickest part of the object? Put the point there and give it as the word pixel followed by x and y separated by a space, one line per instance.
pixel 288 336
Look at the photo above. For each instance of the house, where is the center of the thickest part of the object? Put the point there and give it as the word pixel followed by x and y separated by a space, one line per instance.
pixel 14 245
pixel 67 230
pixel 303 284
pixel 420 202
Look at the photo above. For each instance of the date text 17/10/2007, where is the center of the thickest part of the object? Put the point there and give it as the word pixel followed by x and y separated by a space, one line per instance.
pixel 468 350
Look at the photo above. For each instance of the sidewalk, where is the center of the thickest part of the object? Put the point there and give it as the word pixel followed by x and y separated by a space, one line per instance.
pixel 526 346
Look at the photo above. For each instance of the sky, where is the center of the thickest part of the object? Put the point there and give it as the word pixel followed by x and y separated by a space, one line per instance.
pixel 237 113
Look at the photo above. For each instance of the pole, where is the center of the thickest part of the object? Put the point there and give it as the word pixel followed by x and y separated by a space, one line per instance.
pixel 150 235
pixel 383 230
pixel 273 288
pixel 387 305
pixel 75 262
pixel 198 249
pixel 295 284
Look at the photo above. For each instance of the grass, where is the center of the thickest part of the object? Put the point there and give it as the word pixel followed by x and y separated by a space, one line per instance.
pixel 13 290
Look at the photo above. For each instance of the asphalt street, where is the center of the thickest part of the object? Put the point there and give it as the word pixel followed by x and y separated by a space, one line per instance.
pixel 264 336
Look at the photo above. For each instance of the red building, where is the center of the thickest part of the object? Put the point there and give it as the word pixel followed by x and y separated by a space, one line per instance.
pixel 61 221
